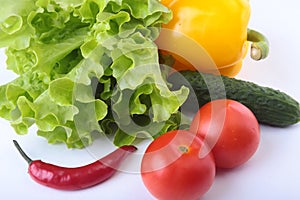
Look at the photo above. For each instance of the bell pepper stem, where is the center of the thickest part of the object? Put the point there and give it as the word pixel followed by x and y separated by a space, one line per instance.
pixel 259 46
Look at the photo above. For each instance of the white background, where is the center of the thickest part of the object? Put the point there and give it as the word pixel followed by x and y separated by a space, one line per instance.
pixel 273 172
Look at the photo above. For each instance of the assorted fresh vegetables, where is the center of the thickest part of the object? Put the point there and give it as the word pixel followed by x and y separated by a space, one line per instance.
pixel 65 178
pixel 88 66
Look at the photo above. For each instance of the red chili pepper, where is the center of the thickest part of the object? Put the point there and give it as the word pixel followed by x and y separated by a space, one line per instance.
pixel 65 178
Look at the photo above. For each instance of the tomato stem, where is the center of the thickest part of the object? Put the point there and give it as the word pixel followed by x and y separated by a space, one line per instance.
pixel 183 149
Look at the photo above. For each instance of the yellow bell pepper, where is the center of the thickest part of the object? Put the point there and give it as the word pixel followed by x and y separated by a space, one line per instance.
pixel 219 26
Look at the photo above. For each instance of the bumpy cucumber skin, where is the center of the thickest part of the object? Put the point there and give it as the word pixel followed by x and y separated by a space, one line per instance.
pixel 270 106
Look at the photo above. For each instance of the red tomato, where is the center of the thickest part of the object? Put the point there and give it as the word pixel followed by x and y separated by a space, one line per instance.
pixel 173 168
pixel 230 128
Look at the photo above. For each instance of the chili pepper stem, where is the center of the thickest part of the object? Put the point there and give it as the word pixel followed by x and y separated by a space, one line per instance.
pixel 23 154
pixel 259 46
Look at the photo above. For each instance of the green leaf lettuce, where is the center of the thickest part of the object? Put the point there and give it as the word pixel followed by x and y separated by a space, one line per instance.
pixel 86 66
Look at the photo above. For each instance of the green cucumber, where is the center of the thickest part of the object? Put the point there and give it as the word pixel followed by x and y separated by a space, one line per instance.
pixel 270 106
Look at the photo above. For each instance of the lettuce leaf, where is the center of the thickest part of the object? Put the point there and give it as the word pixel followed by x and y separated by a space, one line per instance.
pixel 85 67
